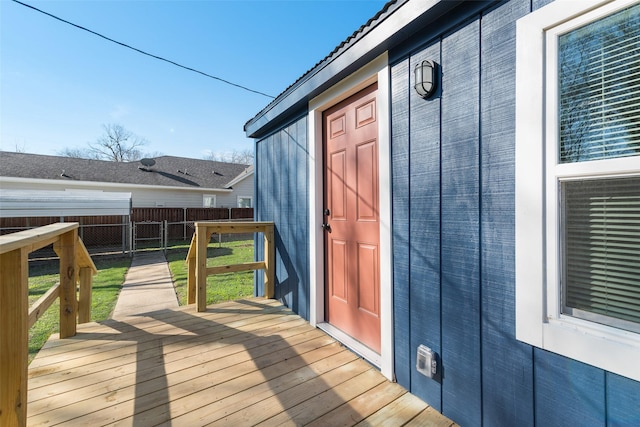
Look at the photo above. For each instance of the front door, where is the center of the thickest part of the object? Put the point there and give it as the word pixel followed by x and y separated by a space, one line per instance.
pixel 351 217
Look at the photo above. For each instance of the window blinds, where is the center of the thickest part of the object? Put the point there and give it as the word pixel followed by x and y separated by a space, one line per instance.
pixel 599 87
pixel 602 247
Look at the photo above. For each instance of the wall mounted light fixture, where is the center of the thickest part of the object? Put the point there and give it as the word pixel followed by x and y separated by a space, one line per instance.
pixel 425 78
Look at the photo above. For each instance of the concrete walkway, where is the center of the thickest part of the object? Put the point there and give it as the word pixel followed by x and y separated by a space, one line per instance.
pixel 147 286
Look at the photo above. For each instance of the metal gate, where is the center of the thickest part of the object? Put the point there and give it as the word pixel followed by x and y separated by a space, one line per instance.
pixel 148 232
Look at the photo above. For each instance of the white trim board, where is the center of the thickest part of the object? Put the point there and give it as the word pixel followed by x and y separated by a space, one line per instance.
pixel 539 320
pixel 376 71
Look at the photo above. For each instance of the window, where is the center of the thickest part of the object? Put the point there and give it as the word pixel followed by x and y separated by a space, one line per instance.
pixel 209 201
pixel 245 201
pixel 601 250
pixel 578 182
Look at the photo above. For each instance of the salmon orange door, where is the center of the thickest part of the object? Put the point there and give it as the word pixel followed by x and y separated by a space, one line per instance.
pixel 351 218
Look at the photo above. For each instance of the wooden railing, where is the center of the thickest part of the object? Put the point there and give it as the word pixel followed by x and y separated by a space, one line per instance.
pixel 76 267
pixel 197 258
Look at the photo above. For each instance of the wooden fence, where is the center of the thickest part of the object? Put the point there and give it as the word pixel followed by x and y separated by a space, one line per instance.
pixel 115 230
pixel 76 268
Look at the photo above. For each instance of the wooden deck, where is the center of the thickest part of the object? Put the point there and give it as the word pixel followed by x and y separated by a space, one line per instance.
pixel 249 362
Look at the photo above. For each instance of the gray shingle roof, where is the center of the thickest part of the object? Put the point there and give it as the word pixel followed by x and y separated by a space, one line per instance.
pixel 168 170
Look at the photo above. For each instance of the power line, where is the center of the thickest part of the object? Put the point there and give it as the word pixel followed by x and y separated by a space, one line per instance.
pixel 142 51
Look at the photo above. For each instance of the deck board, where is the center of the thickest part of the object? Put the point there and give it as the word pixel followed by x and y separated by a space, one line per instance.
pixel 246 362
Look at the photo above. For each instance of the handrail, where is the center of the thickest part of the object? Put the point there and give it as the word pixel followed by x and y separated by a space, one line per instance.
pixel 197 258
pixel 16 317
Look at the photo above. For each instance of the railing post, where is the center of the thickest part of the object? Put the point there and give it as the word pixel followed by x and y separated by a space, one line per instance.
pixel 68 299
pixel 201 266
pixel 191 280
pixel 14 336
pixel 84 299
pixel 269 261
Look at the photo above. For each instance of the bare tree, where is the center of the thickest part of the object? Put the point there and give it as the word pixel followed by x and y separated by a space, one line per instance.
pixel 78 153
pixel 244 157
pixel 117 144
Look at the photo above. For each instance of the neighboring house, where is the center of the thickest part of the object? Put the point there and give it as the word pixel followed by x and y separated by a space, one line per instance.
pixel 169 182
pixel 460 221
pixel 45 203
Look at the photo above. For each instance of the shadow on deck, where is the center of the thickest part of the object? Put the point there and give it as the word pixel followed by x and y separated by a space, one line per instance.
pixel 246 362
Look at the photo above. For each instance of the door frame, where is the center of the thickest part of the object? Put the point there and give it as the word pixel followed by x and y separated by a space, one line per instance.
pixel 375 71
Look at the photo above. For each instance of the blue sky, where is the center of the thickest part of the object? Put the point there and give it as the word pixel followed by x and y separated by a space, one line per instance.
pixel 59 85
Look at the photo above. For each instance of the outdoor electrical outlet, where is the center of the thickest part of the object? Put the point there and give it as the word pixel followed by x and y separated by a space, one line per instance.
pixel 426 362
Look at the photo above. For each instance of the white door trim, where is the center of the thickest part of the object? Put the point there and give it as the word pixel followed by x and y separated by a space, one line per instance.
pixel 376 71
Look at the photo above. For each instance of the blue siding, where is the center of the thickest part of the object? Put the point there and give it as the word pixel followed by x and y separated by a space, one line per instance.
pixel 424 229
pixel 282 197
pixel 623 401
pixel 401 238
pixel 461 354
pixel 301 198
pixel 506 402
pixel 453 183
pixel 568 392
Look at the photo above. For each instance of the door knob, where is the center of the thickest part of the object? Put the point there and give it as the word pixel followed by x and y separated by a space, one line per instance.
pixel 326 227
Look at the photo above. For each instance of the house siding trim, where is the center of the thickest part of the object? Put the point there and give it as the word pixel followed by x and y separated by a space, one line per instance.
pixel 102 184
pixel 375 71
pixel 244 175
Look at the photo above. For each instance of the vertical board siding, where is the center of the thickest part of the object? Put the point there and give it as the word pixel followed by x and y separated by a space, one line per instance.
pixel 288 233
pixel 623 401
pixel 261 167
pixel 401 240
pixel 453 167
pixel 281 196
pixel 460 293
pixel 568 392
pixel 287 286
pixel 467 313
pixel 507 371
pixel 301 237
pixel 424 229
pixel 537 4
pixel 276 153
pixel 281 155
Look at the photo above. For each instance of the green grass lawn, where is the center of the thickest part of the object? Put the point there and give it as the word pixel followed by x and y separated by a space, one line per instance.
pixel 106 286
pixel 221 287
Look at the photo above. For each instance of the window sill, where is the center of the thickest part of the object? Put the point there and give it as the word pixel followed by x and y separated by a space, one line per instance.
pixel 604 347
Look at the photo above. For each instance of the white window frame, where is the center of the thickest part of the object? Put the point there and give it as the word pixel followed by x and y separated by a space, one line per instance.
pixel 204 198
pixel 539 320
pixel 245 197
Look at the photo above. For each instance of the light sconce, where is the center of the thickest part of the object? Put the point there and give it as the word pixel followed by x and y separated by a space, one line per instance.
pixel 425 78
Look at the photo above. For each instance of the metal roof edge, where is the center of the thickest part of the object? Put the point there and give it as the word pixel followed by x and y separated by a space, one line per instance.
pixel 395 23
pixel 9 179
